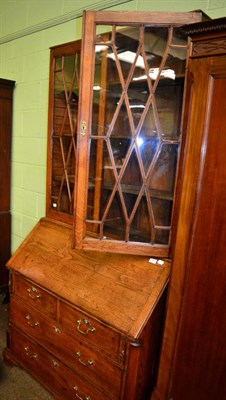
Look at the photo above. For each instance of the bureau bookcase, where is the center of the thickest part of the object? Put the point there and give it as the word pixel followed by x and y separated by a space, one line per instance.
pixel 89 283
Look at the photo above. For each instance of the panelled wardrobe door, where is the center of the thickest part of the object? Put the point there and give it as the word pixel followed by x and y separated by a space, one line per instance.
pixel 6 99
pixel 195 343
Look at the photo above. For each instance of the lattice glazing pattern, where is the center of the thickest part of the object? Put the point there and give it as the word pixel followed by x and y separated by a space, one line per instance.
pixel 134 142
pixel 66 78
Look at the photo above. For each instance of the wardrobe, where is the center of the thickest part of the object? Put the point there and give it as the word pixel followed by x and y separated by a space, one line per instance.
pixel 193 356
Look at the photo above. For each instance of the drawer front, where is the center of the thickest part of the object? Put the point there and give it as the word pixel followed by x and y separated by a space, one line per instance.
pixel 76 354
pixel 34 295
pixel 50 371
pixel 95 334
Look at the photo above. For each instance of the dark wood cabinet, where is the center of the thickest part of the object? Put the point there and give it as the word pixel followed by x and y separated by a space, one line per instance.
pixel 193 357
pixel 6 99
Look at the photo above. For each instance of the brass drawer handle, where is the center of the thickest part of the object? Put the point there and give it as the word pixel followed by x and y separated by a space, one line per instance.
pixel 33 293
pixel 86 322
pixel 79 397
pixel 89 362
pixel 56 330
pixel 30 322
pixel 55 363
pixel 32 356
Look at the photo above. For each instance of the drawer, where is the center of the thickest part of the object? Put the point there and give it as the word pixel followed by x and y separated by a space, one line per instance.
pixel 76 354
pixel 94 333
pixel 34 295
pixel 49 371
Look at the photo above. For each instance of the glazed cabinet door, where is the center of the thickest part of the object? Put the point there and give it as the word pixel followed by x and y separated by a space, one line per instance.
pixel 62 130
pixel 132 78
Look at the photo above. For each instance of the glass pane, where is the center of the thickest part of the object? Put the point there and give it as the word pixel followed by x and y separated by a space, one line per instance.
pixel 155 45
pixel 114 223
pixel 168 97
pixel 162 209
pixel 136 111
pixel 65 107
pixel 127 54
pixel 63 167
pixel 131 182
pixel 179 37
pixel 162 178
pixel 120 147
pixel 102 96
pixel 148 139
pixel 141 225
pixel 175 62
pixel 162 236
pixel 103 33
pixel 101 179
pixel 131 177
pixel 121 125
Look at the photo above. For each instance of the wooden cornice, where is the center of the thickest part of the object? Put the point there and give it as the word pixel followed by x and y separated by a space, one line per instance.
pixel 214 25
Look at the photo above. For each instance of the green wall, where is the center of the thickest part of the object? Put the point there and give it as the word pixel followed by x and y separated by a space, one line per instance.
pixel 27 29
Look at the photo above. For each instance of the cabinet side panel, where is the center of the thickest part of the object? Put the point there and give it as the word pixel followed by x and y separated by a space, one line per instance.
pixel 200 357
pixel 5 145
pixel 190 173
